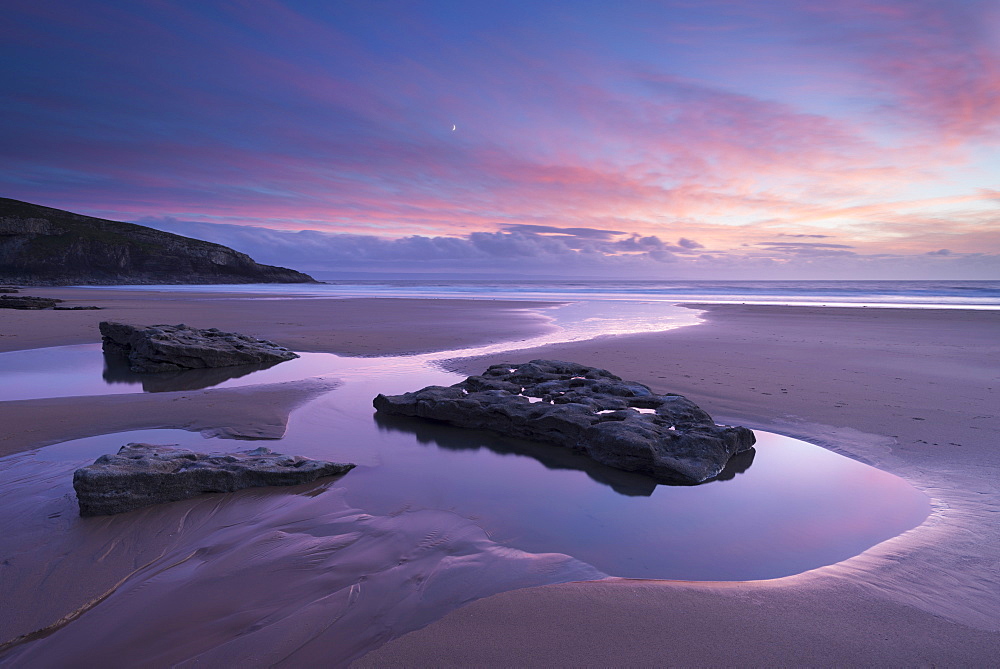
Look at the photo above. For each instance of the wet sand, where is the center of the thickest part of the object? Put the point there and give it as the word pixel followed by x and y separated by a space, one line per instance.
pixel 913 392
pixel 349 326
pixel 292 576
pixel 35 423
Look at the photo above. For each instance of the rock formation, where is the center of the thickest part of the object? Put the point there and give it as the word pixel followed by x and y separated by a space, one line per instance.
pixel 27 302
pixel 166 348
pixel 144 474
pixel 619 423
pixel 45 246
pixel 35 303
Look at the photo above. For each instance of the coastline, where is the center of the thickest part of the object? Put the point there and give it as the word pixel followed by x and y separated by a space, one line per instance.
pixel 912 392
pixel 354 326
pixel 56 568
pixel 345 326
pixel 855 380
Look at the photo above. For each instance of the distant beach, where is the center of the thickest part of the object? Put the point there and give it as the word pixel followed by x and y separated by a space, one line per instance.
pixel 909 388
pixel 930 294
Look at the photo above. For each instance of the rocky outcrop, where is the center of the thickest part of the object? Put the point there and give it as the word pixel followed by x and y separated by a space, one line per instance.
pixel 45 246
pixel 167 348
pixel 618 423
pixel 27 302
pixel 143 474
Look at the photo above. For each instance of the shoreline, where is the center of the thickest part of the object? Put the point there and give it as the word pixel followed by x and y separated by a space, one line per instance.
pixel 904 390
pixel 86 562
pixel 882 386
pixel 354 326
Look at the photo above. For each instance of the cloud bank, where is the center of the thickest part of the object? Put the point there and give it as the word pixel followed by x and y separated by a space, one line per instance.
pixel 573 252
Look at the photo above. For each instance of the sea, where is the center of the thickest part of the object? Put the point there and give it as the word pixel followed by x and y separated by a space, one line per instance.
pixel 903 294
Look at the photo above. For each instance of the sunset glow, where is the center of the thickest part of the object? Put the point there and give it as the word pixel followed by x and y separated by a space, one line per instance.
pixel 774 139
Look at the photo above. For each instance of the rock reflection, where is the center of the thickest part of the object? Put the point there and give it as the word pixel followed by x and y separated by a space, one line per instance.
pixel 116 370
pixel 737 464
pixel 629 484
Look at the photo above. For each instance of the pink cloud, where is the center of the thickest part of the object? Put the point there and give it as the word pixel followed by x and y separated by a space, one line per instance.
pixel 938 62
pixel 266 115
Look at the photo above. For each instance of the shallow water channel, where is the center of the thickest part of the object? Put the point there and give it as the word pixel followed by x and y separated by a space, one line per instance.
pixel 784 508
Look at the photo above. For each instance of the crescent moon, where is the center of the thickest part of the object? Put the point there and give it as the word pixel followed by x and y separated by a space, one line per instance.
pixel 453 128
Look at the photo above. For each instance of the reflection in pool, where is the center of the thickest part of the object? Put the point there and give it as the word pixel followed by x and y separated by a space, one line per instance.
pixel 552 457
pixel 785 508
pixel 69 371
pixel 117 371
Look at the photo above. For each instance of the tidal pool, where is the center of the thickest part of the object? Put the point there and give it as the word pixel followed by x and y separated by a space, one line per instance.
pixel 784 508
pixel 433 517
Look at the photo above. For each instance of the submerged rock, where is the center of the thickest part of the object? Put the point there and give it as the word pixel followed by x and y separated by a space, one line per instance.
pixel 618 423
pixel 165 348
pixel 143 474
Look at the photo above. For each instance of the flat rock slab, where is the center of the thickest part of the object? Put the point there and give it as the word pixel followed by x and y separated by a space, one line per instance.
pixel 166 348
pixel 618 423
pixel 27 302
pixel 143 474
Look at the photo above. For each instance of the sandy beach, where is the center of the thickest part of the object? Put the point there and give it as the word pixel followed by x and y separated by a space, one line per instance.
pixel 71 584
pixel 500 334
pixel 361 326
pixel 912 392
pixel 357 327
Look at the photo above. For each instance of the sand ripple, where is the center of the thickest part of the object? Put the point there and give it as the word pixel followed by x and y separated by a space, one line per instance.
pixel 263 576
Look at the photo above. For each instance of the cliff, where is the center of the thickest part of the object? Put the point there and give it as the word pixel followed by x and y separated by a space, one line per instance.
pixel 44 246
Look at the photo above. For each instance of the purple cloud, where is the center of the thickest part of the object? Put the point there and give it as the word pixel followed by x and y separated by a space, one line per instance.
pixel 481 133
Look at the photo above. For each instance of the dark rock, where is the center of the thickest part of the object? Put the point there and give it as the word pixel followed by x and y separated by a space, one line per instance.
pixel 9 289
pixel 144 474
pixel 76 308
pixel 26 302
pixel 45 246
pixel 618 423
pixel 165 348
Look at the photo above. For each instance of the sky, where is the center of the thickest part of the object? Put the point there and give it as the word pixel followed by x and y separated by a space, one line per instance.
pixel 699 139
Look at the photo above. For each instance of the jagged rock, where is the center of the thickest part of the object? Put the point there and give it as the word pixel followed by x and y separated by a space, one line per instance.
pixel 27 302
pixel 165 348
pixel 619 423
pixel 143 474
pixel 45 246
